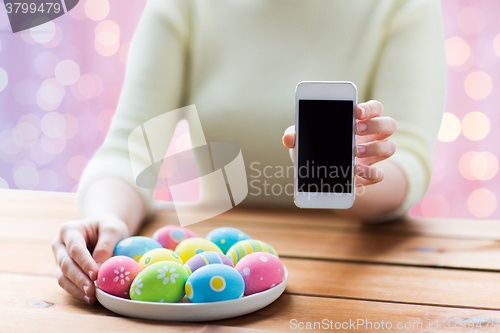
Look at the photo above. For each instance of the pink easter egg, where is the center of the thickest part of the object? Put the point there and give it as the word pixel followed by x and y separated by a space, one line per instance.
pixel 170 236
pixel 117 274
pixel 260 271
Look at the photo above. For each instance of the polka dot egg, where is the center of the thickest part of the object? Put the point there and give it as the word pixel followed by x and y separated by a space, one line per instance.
pixel 170 236
pixel 214 283
pixel 192 246
pixel 226 237
pixel 242 248
pixel 117 274
pixel 163 281
pixel 206 258
pixel 260 271
pixel 135 247
pixel 157 255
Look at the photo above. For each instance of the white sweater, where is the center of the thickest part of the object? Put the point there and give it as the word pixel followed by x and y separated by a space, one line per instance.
pixel 240 60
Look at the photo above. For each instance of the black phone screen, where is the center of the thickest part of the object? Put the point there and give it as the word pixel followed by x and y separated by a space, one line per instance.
pixel 325 146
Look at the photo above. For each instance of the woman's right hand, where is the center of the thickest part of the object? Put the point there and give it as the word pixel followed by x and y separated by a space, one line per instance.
pixel 80 249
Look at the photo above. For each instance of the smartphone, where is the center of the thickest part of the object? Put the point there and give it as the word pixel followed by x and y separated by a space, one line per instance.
pixel 324 146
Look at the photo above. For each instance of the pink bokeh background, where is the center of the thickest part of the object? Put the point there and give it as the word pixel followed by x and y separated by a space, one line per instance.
pixel 59 90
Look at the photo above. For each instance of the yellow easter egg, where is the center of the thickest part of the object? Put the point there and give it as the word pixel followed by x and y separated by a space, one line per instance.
pixel 192 246
pixel 158 255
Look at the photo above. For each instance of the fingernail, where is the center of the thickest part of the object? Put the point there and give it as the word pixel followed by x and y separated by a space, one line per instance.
pixel 360 150
pixel 87 299
pixel 361 127
pixel 90 274
pixel 363 112
pixel 85 288
pixel 359 170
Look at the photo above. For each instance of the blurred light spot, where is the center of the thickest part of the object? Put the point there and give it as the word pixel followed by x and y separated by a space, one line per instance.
pixel 97 10
pixel 482 202
pixel 43 33
pixel 457 51
pixel 104 120
pixel 496 45
pixel 107 38
pixel 4 19
pixel 58 37
pixel 183 143
pixel 475 126
pixel 76 165
pixel 26 177
pixel 450 128
pixel 53 146
pixel 107 26
pixel 484 165
pixel 71 126
pixel 435 205
pixel 53 125
pixel 31 119
pixel 25 134
pixel 4 79
pixel 464 165
pixel 478 85
pixel 24 92
pixel 471 20
pixel 26 36
pixel 124 52
pixel 50 94
pixel 48 180
pixel 7 143
pixel 39 155
pixel 106 50
pixel 3 183
pixel 45 64
pixel 67 72
pixel 88 86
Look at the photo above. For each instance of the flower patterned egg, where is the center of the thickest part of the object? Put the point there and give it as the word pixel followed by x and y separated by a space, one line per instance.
pixel 135 247
pixel 157 255
pixel 206 258
pixel 226 237
pixel 213 283
pixel 117 274
pixel 242 248
pixel 170 236
pixel 260 271
pixel 160 282
pixel 192 246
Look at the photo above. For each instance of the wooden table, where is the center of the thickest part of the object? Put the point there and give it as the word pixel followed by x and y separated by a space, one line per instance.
pixel 417 272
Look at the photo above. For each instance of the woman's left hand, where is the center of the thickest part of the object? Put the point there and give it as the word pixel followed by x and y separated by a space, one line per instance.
pixel 372 144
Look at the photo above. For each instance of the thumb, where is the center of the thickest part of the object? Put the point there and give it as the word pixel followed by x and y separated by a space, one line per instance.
pixel 108 238
pixel 289 137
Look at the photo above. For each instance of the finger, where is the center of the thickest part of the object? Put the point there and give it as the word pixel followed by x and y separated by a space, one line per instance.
pixel 77 250
pixel 71 288
pixel 380 150
pixel 368 110
pixel 109 236
pixel 378 128
pixel 73 272
pixel 289 137
pixel 367 175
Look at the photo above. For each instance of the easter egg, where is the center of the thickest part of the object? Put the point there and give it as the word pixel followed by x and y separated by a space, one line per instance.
pixel 160 282
pixel 242 248
pixel 260 271
pixel 170 236
pixel 226 237
pixel 214 283
pixel 117 274
pixel 157 255
pixel 190 247
pixel 206 258
pixel 135 247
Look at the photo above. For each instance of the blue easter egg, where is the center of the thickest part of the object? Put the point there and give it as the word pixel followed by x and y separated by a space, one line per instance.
pixel 226 237
pixel 214 283
pixel 135 247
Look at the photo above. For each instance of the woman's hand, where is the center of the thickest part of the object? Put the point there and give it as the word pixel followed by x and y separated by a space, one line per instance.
pixel 372 145
pixel 77 268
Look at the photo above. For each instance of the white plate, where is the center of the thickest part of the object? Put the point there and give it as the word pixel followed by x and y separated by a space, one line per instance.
pixel 191 312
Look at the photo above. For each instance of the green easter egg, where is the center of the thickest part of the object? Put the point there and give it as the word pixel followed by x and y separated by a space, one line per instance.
pixel 160 282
